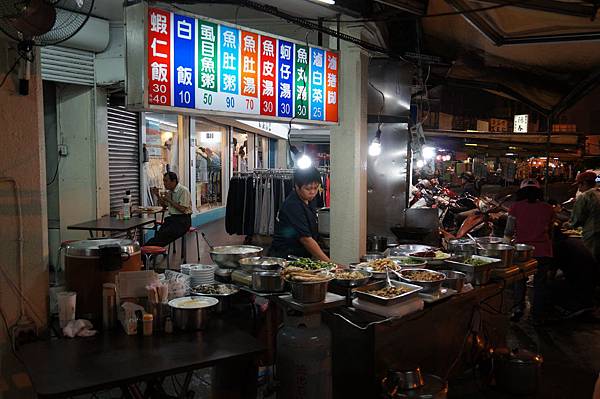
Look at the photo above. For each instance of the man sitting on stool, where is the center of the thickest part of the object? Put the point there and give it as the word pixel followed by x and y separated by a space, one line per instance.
pixel 179 203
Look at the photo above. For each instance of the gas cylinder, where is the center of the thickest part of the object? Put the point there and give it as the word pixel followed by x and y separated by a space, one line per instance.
pixel 303 364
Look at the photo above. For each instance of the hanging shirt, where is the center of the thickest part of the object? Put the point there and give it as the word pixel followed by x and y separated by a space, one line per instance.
pixel 181 195
pixel 533 222
pixel 294 221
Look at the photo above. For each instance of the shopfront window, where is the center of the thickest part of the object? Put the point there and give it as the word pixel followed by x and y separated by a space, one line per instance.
pixel 207 149
pixel 239 152
pixel 161 152
pixel 261 146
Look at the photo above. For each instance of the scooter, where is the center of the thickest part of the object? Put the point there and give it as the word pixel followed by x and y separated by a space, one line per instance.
pixel 489 218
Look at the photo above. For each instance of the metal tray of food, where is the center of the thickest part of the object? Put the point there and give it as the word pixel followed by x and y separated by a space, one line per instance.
pixel 364 292
pixel 216 290
pixel 461 262
pixel 476 275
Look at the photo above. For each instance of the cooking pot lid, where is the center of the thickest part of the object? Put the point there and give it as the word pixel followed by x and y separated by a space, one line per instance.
pixel 92 247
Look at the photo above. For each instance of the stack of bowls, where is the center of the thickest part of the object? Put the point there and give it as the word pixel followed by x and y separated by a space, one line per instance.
pixel 202 274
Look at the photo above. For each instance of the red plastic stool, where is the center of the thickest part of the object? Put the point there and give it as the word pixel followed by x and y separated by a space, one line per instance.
pixel 149 252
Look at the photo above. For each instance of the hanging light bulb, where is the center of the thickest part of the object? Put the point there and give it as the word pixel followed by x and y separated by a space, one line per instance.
pixel 428 152
pixel 304 162
pixel 420 163
pixel 375 147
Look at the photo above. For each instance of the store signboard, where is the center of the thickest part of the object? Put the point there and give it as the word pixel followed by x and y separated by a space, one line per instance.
pixel 521 123
pixel 197 64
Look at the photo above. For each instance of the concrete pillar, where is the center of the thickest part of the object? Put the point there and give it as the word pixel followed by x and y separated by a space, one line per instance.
pixel 77 170
pixel 349 157
pixel 22 160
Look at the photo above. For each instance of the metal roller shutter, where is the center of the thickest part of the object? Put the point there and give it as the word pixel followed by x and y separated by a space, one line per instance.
pixel 123 155
pixel 66 65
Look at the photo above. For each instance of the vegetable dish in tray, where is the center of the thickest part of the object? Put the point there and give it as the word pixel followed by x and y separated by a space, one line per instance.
pixel 422 275
pixel 309 264
pixel 379 265
pixel 390 292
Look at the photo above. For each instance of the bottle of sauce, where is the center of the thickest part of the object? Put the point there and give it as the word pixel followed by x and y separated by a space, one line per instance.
pixel 126 209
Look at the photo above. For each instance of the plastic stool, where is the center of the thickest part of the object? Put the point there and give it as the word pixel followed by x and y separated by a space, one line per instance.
pixel 150 252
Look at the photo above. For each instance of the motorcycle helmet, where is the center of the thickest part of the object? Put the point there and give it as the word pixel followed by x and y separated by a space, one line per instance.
pixel 530 183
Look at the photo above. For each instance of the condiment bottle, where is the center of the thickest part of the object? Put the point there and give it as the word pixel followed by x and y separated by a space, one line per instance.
pixel 168 325
pixel 147 323
pixel 126 209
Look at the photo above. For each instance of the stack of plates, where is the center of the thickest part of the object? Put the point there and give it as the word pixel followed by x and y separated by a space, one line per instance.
pixel 202 274
pixel 185 268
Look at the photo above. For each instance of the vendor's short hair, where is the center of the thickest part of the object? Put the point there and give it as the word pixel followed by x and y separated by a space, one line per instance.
pixel 304 177
pixel 172 176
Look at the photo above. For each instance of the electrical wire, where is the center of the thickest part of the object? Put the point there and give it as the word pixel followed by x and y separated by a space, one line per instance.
pixel 55 173
pixel 12 68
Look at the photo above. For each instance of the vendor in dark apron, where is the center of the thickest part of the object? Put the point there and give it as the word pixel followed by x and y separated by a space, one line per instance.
pixel 296 229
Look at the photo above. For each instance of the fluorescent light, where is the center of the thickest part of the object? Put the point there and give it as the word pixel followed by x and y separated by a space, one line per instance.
pixel 471 144
pixel 375 148
pixel 510 154
pixel 428 152
pixel 330 2
pixel 304 162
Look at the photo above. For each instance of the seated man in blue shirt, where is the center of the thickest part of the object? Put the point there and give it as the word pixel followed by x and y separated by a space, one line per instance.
pixel 296 229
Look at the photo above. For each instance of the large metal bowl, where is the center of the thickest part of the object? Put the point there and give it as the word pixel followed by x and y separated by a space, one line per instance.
pixel 454 280
pixel 405 249
pixel 503 252
pixel 489 240
pixel 366 276
pixel 428 286
pixel 523 252
pixel 267 281
pixel 262 263
pixel 228 257
pixel 309 292
pixel 462 247
pixel 192 313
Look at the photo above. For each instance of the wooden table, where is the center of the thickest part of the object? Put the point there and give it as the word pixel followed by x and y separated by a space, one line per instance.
pixel 62 368
pixel 111 224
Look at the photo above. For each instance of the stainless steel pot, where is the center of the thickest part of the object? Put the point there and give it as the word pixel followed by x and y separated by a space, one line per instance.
pixel 323 219
pixel 454 280
pixel 370 257
pixel 267 281
pixel 488 240
pixel 192 313
pixel 377 243
pixel 309 292
pixel 428 286
pixel 517 371
pixel 523 252
pixel 462 247
pixel 503 252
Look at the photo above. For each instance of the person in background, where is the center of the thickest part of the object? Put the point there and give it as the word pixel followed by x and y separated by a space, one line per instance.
pixel 530 222
pixel 586 212
pixel 296 229
pixel 178 201
pixel 468 182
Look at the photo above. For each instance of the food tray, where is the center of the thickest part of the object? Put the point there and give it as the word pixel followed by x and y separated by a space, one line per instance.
pixel 493 262
pixel 230 286
pixel 476 275
pixel 363 292
pixel 353 283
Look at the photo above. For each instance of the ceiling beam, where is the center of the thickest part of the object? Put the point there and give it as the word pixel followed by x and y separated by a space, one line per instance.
pixel 412 6
pixel 477 21
pixel 583 88
pixel 557 7
pixel 566 37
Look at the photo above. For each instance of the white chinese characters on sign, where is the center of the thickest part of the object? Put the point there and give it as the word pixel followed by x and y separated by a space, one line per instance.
pixel 268 68
pixel 159 72
pixel 250 44
pixel 318 59
pixel 207 33
pixel 228 61
pixel 332 63
pixel 249 85
pixel 285 90
pixel 249 64
pixel 184 30
pixel 331 97
pixel 158 23
pixel 184 75
pixel 331 80
pixel 268 49
pixel 286 52
pixel 302 56
pixel 317 96
pixel 229 39
pixel 155 43
pixel 229 82
pixel 208 80
pixel 267 88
